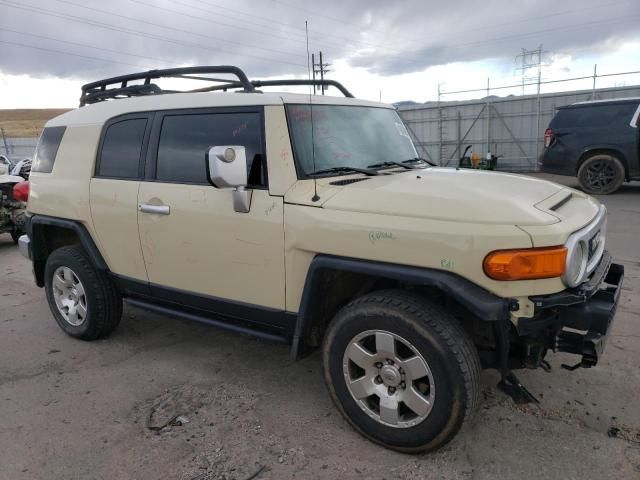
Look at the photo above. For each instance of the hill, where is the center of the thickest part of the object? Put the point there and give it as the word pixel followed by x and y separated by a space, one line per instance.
pixel 27 122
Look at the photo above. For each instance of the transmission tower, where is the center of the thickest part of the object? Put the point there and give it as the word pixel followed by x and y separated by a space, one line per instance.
pixel 320 69
pixel 530 66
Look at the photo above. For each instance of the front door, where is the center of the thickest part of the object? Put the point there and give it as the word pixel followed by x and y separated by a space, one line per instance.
pixel 193 241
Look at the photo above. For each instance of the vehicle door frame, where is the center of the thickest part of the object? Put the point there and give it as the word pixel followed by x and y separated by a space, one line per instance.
pixel 233 310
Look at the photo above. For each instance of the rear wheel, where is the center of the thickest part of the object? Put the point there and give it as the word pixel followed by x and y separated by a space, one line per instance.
pixel 601 174
pixel 401 370
pixel 83 300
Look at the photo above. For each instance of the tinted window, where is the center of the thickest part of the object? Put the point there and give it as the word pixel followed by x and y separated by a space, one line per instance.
pixel 121 149
pixel 185 140
pixel 47 149
pixel 596 115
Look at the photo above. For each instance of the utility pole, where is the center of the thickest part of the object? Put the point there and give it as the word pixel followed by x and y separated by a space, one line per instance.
pixel 319 68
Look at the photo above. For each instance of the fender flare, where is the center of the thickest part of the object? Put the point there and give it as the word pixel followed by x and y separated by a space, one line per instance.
pixel 593 149
pixel 38 243
pixel 483 304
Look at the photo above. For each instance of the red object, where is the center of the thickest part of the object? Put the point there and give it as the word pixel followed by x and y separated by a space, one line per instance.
pixel 21 191
pixel 548 137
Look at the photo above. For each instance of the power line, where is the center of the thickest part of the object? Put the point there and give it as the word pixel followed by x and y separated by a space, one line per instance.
pixel 138 33
pixel 210 37
pixel 35 47
pixel 177 12
pixel 270 21
pixel 84 45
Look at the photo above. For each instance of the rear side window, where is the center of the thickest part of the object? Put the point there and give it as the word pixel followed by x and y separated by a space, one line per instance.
pixel 185 139
pixel 121 149
pixel 596 115
pixel 47 149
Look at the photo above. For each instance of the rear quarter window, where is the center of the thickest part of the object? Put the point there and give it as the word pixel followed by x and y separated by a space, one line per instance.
pixel 120 155
pixel 595 116
pixel 47 149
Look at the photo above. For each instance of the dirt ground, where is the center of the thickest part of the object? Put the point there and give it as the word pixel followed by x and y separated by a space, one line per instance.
pixel 106 410
pixel 27 122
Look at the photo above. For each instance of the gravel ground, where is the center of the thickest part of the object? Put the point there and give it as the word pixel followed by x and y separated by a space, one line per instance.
pixel 167 399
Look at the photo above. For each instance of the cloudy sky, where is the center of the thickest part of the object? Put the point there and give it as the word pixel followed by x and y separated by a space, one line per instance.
pixel 397 50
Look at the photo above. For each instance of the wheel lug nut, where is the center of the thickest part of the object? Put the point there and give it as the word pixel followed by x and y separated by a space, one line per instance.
pixel 403 385
pixel 378 379
pixel 378 364
pixel 392 390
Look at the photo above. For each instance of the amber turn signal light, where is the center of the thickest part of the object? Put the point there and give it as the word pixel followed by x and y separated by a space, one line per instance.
pixel 526 264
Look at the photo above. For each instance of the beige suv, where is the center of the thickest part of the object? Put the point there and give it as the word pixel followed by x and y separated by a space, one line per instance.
pixel 310 220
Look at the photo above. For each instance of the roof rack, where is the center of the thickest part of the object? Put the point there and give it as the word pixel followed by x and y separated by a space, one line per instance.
pixel 98 91
pixel 277 83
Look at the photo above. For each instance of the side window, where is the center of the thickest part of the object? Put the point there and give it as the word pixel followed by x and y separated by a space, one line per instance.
pixel 613 115
pixel 185 139
pixel 47 149
pixel 121 149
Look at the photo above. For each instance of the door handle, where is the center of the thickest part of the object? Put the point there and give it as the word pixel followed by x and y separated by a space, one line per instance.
pixel 157 209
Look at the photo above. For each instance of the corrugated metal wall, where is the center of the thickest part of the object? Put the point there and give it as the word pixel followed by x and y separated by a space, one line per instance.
pixel 512 126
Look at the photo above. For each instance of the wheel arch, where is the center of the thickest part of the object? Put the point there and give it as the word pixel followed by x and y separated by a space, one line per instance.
pixel 603 150
pixel 49 233
pixel 333 281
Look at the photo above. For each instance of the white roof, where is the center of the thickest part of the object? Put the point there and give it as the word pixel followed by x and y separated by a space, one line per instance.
pixel 606 100
pixel 98 113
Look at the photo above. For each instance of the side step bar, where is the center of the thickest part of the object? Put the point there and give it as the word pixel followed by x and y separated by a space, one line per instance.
pixel 203 318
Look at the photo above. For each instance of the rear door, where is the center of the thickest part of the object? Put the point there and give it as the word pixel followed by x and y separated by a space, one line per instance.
pixel 197 250
pixel 114 193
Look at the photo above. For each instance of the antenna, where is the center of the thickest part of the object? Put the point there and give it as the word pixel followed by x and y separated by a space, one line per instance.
pixel 315 197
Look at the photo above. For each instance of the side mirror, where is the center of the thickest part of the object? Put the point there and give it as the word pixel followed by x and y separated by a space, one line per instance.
pixel 227 168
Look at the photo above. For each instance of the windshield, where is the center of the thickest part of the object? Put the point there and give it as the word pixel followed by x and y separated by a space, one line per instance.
pixel 347 136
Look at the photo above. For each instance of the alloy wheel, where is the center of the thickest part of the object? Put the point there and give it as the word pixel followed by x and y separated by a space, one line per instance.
pixel 69 295
pixel 388 378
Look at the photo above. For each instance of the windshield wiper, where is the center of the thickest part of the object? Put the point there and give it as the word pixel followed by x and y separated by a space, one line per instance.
pixel 391 163
pixel 420 160
pixel 365 171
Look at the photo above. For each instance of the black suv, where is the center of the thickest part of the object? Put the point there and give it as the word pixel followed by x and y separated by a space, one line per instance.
pixel 598 141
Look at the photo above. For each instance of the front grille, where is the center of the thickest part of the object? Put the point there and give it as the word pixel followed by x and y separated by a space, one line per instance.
pixel 592 239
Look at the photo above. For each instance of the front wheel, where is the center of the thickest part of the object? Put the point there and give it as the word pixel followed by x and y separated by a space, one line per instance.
pixel 401 370
pixel 601 174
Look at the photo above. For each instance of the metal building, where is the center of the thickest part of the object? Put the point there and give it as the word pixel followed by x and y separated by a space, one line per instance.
pixel 510 126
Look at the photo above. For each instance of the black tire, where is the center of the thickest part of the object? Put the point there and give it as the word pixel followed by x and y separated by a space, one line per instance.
pixel 15 236
pixel 601 174
pixel 103 301
pixel 444 345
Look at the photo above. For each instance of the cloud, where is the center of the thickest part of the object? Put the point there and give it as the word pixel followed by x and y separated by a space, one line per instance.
pixel 267 38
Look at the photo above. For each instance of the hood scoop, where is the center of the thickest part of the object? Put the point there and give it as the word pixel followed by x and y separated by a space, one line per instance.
pixel 560 202
pixel 348 181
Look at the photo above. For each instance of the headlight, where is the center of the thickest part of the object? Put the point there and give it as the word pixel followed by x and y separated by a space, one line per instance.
pixel 576 264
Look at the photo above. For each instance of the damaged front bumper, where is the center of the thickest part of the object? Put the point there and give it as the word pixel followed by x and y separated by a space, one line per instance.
pixel 577 320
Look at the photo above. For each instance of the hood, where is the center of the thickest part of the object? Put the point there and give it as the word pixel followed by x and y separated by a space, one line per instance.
pixel 451 194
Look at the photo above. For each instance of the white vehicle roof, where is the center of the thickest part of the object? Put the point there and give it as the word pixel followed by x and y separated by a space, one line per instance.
pixel 98 113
